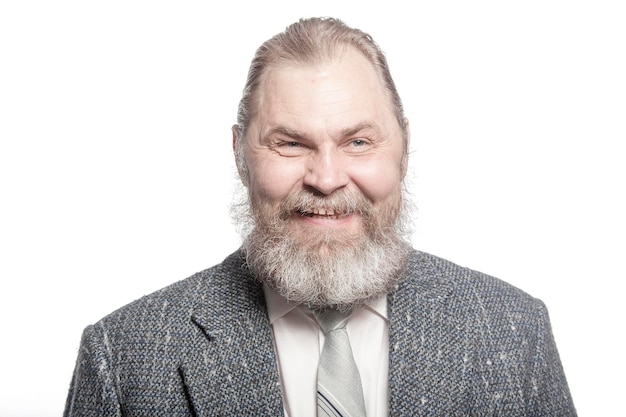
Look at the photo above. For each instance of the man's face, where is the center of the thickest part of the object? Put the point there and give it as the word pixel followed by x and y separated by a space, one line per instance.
pixel 326 131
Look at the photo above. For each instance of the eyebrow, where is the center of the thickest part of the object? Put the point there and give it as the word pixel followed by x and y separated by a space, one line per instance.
pixel 285 131
pixel 346 132
pixel 351 131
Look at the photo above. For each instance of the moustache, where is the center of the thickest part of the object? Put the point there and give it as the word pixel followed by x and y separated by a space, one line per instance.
pixel 339 204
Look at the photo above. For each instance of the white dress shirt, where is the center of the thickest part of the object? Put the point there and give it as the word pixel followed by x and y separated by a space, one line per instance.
pixel 299 341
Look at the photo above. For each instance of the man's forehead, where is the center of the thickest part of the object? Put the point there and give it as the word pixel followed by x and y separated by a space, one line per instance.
pixel 349 62
pixel 332 88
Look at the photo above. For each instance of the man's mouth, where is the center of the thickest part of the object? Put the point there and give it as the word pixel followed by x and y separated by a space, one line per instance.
pixel 322 213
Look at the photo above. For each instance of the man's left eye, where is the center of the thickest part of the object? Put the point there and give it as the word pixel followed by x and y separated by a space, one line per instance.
pixel 359 145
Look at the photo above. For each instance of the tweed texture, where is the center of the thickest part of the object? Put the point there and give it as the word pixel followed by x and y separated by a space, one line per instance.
pixel 461 344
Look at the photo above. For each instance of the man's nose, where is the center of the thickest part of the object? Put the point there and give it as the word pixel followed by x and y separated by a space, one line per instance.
pixel 326 171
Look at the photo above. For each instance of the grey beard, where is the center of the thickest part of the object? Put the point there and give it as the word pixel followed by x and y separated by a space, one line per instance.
pixel 332 274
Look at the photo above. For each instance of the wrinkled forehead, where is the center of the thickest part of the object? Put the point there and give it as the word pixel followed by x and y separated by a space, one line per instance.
pixel 347 62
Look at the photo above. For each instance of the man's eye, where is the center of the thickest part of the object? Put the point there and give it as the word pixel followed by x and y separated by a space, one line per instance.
pixel 358 145
pixel 290 148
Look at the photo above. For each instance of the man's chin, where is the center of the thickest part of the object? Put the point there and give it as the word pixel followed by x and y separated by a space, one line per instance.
pixel 325 269
pixel 324 240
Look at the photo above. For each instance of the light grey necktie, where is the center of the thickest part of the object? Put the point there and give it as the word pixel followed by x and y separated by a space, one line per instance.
pixel 339 390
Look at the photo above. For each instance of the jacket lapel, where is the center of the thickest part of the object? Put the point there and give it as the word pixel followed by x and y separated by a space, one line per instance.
pixel 231 370
pixel 428 347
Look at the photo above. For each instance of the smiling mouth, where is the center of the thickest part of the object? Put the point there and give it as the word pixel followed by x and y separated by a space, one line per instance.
pixel 322 213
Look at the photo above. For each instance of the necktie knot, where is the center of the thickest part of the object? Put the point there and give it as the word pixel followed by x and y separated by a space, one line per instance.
pixel 332 319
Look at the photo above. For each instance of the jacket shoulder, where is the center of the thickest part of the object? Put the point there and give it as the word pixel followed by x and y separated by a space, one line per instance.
pixel 437 278
pixel 489 339
pixel 175 351
pixel 176 301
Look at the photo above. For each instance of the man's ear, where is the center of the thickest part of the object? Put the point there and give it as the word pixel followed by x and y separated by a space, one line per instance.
pixel 238 152
pixel 407 147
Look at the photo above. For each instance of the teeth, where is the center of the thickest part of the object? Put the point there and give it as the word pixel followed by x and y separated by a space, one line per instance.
pixel 321 212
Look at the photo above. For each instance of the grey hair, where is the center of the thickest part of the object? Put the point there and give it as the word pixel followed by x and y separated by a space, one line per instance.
pixel 310 41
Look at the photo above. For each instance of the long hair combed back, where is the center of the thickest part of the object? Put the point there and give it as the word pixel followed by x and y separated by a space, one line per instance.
pixel 311 41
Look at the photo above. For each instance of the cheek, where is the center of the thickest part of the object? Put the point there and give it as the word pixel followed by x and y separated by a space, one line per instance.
pixel 378 181
pixel 273 181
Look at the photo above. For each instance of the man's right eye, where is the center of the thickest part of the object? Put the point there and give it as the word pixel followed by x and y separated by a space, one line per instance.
pixel 290 148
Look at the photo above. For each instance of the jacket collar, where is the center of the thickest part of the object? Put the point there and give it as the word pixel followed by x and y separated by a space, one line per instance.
pixel 231 370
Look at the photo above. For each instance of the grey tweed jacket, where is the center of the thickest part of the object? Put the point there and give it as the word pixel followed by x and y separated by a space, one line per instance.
pixel 461 344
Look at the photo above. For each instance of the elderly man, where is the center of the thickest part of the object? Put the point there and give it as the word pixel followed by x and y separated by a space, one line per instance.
pixel 325 310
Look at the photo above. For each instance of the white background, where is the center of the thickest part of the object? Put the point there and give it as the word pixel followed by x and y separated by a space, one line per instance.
pixel 116 170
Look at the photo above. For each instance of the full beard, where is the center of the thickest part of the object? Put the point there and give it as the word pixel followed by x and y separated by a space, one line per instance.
pixel 323 268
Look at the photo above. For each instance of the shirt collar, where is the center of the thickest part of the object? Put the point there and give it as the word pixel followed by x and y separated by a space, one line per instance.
pixel 278 306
